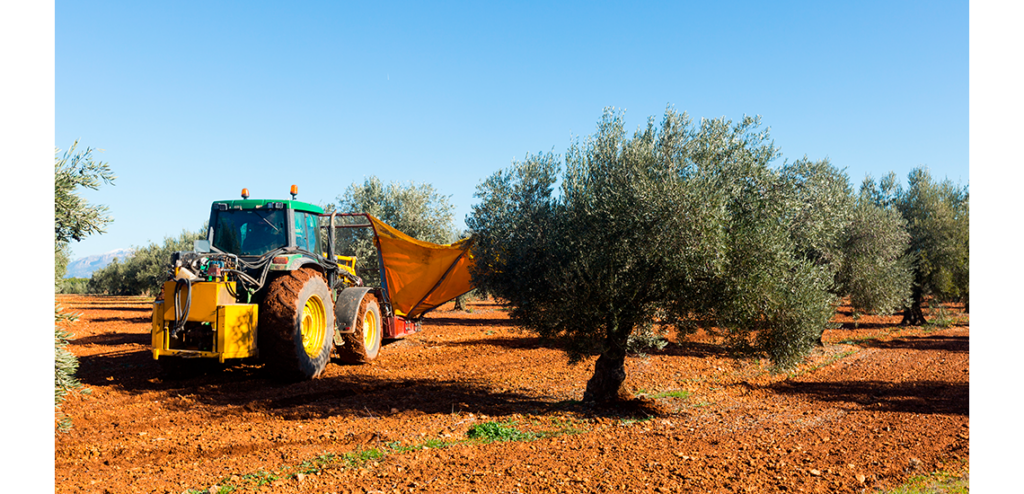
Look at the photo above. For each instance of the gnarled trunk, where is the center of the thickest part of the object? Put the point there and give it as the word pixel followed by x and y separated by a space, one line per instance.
pixel 914 315
pixel 606 385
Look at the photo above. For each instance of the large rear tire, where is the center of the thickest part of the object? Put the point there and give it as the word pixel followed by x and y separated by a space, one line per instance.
pixel 362 345
pixel 296 325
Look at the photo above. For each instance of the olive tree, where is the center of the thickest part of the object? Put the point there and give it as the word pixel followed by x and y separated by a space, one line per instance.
pixel 822 208
pixel 417 210
pixel 874 272
pixel 679 225
pixel 937 216
pixel 858 242
pixel 74 219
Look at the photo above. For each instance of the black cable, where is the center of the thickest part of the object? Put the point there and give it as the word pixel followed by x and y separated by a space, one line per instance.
pixel 179 318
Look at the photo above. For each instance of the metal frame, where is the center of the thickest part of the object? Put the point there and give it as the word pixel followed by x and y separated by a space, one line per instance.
pixel 388 315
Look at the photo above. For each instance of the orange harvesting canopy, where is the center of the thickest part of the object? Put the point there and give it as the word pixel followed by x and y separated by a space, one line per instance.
pixel 421 275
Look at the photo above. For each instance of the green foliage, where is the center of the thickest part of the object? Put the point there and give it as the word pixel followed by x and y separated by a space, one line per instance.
pixel 941 317
pixel 77 286
pixel 821 210
pixel 858 244
pixel 61 259
pixel 417 210
pixel 937 216
pixel 497 431
pixel 676 393
pixel 74 219
pixel 646 337
pixel 679 225
pixel 146 270
pixel 955 481
pixel 874 272
pixel 65 364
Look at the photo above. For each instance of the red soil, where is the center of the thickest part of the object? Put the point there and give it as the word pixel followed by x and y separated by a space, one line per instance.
pixel 878 404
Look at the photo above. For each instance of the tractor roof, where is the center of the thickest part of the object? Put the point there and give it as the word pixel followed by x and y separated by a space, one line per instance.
pixel 262 203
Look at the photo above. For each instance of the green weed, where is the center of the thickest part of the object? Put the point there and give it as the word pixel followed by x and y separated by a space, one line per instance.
pixel 361 457
pixel 678 393
pixel 939 482
pixel 397 447
pixel 260 478
pixel 498 432
pixel 941 318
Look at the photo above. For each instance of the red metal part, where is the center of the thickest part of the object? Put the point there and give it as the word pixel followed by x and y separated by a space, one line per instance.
pixel 398 327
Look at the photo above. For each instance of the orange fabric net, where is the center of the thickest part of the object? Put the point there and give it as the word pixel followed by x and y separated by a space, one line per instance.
pixel 422 275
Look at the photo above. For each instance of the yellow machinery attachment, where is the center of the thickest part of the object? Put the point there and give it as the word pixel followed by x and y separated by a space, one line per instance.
pixel 233 324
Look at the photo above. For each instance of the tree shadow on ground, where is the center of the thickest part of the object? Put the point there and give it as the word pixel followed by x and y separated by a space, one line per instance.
pixel 250 388
pixel 681 349
pixel 247 388
pixel 455 321
pixel 139 319
pixel 924 397
pixel 866 325
pixel 956 344
pixel 506 342
pixel 113 339
pixel 698 350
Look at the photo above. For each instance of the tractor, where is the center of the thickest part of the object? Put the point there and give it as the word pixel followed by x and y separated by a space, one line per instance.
pixel 266 284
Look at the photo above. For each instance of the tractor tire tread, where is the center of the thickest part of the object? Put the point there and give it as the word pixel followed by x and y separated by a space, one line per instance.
pixel 278 319
pixel 354 350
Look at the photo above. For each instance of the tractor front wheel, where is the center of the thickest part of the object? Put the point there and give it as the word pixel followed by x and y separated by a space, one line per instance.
pixel 296 325
pixel 362 345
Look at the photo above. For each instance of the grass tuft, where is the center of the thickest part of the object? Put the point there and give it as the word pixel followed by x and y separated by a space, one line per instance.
pixel 941 318
pixel 940 482
pixel 677 393
pixel 498 432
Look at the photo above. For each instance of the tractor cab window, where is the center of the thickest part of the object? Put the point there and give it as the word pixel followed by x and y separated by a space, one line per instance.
pixel 307 232
pixel 250 232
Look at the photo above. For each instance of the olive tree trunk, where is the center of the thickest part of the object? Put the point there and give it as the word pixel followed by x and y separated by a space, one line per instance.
pixel 914 315
pixel 606 385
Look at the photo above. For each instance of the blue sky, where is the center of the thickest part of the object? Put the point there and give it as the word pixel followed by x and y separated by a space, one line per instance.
pixel 191 101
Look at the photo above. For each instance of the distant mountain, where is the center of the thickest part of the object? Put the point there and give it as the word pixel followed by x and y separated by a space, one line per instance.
pixel 83 268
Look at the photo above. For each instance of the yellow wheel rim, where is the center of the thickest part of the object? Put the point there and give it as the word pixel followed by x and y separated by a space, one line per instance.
pixel 314 326
pixel 370 329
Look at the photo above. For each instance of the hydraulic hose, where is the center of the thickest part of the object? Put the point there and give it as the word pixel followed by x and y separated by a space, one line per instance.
pixel 180 317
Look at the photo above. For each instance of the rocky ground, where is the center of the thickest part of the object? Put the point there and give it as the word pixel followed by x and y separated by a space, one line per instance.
pixel 472 405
